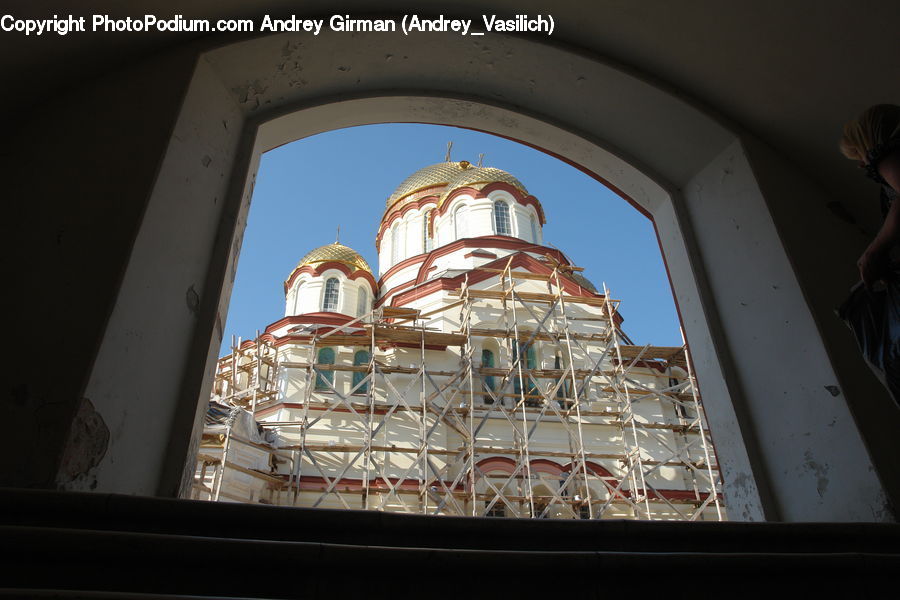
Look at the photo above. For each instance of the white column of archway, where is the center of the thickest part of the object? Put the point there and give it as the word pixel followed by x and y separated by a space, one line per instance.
pixel 672 160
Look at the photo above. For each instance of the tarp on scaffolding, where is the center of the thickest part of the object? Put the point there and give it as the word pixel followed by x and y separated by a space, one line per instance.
pixel 242 423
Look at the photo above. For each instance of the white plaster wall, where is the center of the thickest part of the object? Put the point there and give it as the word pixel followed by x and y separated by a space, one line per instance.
pixel 785 370
pixel 346 297
pixel 311 294
pixel 414 239
pixel 653 144
pixel 410 229
pixel 402 431
pixel 161 297
pixel 312 290
pixel 384 252
pixel 304 296
pixel 364 294
pixel 400 276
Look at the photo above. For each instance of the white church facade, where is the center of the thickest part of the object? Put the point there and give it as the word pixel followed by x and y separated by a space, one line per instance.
pixel 476 373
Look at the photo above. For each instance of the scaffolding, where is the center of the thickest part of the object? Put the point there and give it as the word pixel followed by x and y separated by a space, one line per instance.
pixel 612 430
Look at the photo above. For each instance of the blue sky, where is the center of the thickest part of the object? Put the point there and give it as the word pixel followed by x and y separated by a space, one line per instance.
pixel 305 189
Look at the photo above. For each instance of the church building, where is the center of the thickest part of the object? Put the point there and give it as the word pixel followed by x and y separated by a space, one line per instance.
pixel 475 372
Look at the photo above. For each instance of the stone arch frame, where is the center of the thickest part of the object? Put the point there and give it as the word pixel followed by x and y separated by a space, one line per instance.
pixel 396 254
pixel 535 229
pixel 514 209
pixel 674 162
pixel 296 290
pixel 427 229
pixel 510 216
pixel 460 212
pixel 491 345
pixel 340 291
pixel 363 302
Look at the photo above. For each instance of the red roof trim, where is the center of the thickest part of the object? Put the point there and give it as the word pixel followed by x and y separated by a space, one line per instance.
pixel 324 318
pixel 519 259
pixel 401 265
pixel 322 267
pixel 487 241
pixel 395 214
pixel 485 192
pixel 476 254
pixel 394 290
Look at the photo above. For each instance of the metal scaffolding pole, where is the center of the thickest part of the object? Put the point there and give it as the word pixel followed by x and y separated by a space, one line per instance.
pixel 634 464
pixel 403 454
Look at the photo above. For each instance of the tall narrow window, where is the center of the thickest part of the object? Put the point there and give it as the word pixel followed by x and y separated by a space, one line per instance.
pixel 297 298
pixel 487 361
pixel 362 303
pixel 360 359
pixel 427 241
pixel 324 378
pixel 460 223
pixel 563 391
pixel 395 244
pixel 290 303
pixel 502 225
pixel 530 363
pixel 534 230
pixel 330 300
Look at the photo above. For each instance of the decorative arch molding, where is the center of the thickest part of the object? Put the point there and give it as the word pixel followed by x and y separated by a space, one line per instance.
pixel 318 270
pixel 320 318
pixel 546 466
pixel 488 241
pixel 484 193
pixel 266 337
pixel 594 468
pixel 399 214
pixel 504 464
pixel 427 260
pixel 406 262
pixel 692 172
pixel 495 464
pixel 520 259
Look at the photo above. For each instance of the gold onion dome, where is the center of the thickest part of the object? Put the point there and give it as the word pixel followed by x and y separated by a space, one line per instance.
pixel 479 177
pixel 584 282
pixel 433 175
pixel 335 252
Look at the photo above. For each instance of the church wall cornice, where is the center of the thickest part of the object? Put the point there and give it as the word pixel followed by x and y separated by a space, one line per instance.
pixel 318 270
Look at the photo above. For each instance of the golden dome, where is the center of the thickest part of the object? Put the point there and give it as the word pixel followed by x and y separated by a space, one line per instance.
pixel 584 282
pixel 335 253
pixel 478 177
pixel 432 175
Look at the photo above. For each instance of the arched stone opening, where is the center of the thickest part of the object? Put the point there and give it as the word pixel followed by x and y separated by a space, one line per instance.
pixel 679 166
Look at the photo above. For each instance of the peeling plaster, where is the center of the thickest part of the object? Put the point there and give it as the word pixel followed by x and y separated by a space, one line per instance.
pixel 192 298
pixel 86 447
pixel 819 470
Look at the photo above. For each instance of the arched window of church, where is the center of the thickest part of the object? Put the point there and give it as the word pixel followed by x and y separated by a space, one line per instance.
pixel 534 230
pixel 330 300
pixel 362 303
pixel 502 225
pixel 460 223
pixel 360 359
pixel 289 302
pixel 296 308
pixel 487 361
pixel 427 241
pixel 395 244
pixel 563 391
pixel 324 378
pixel 530 363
